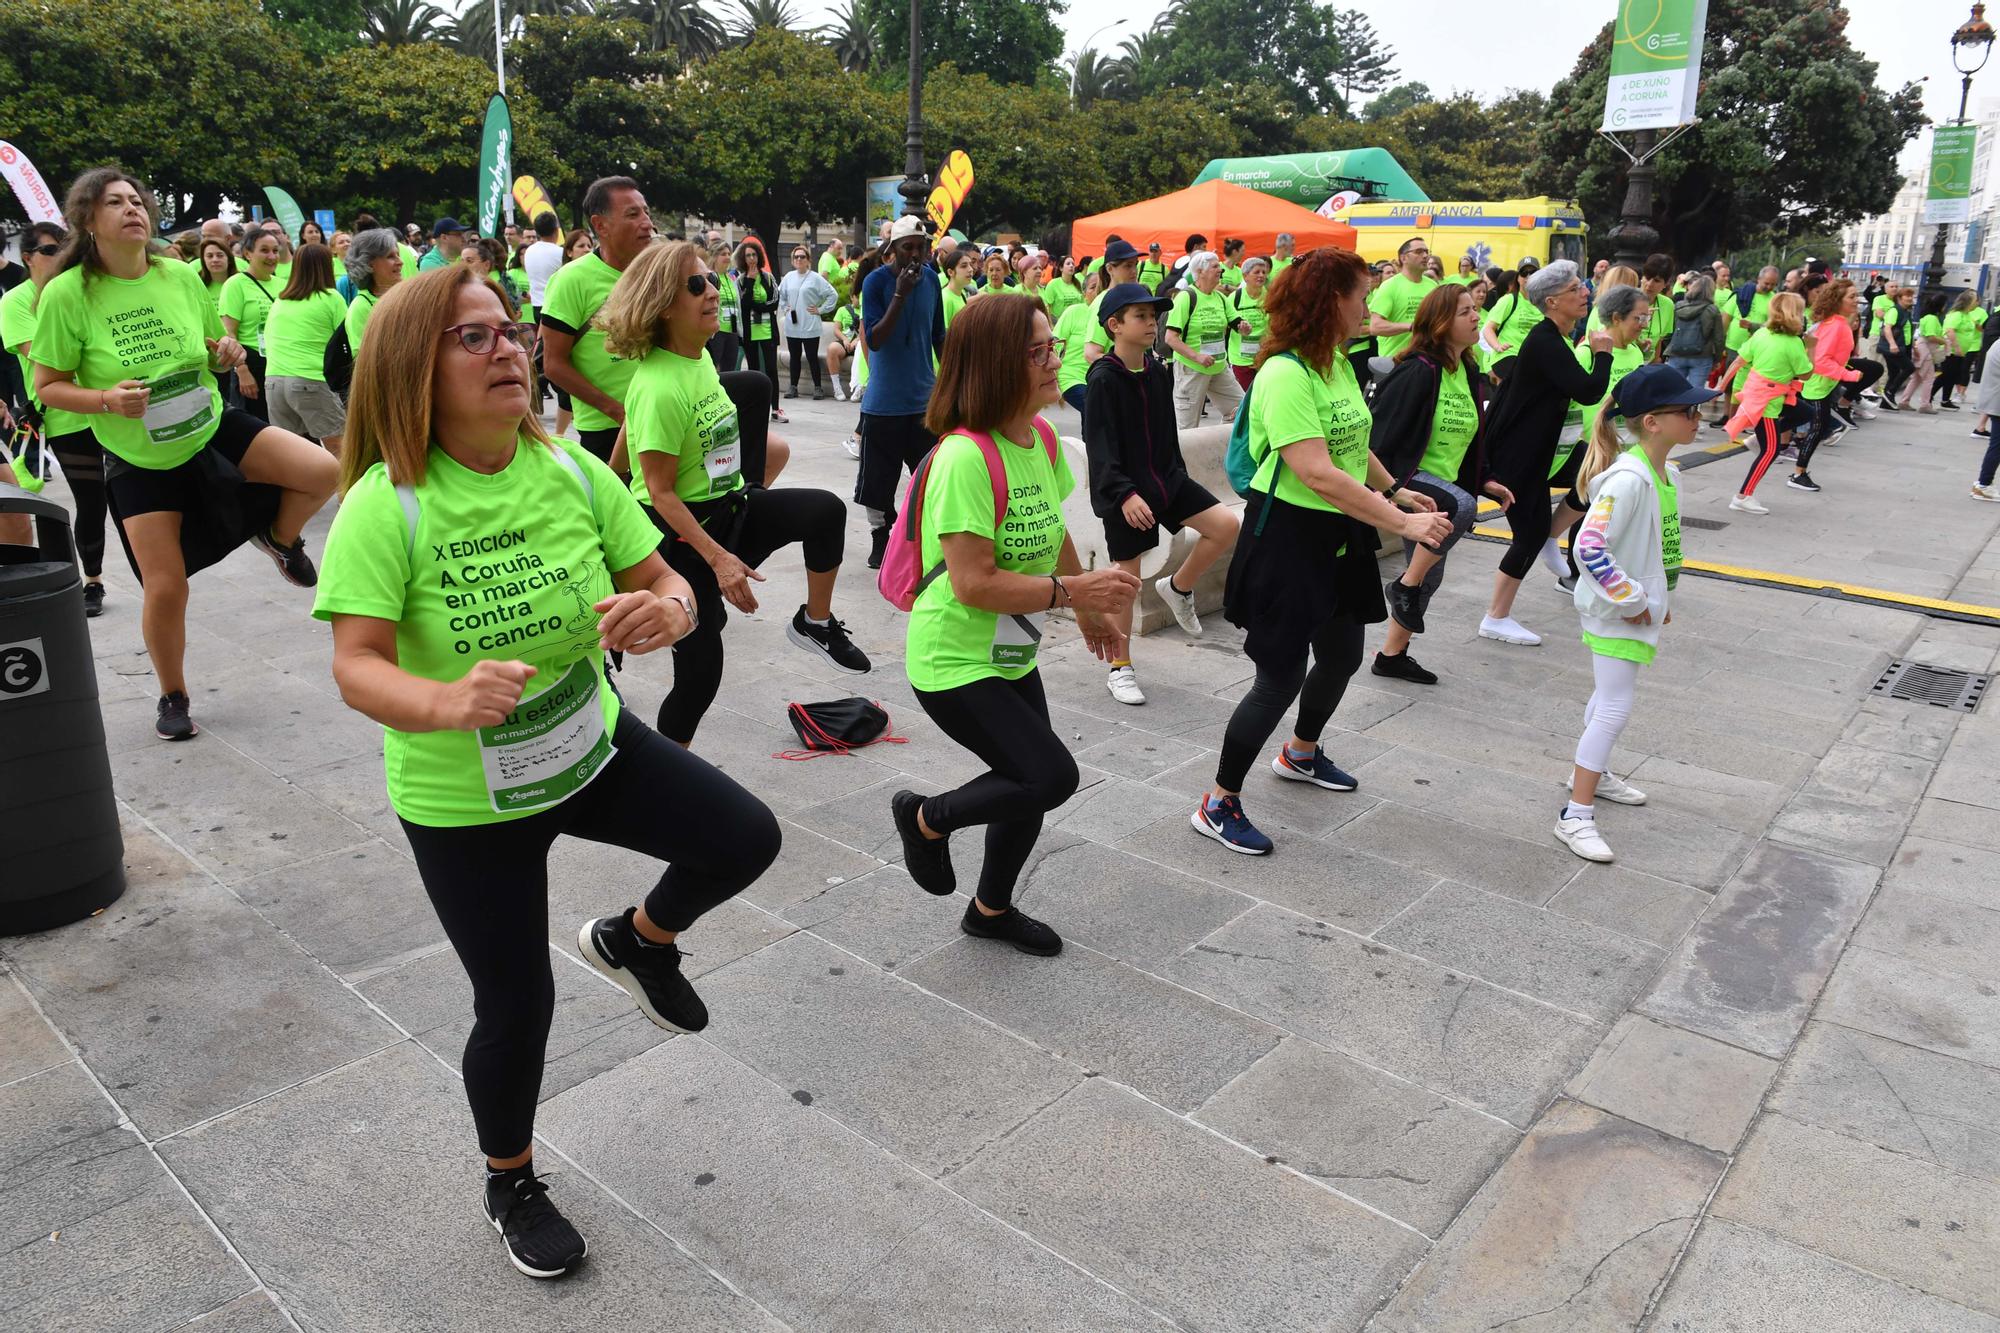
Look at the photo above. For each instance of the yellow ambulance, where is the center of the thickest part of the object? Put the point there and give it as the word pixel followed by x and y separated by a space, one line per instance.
pixel 1502 233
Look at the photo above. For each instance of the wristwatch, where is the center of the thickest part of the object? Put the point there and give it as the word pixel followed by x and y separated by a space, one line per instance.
pixel 687 605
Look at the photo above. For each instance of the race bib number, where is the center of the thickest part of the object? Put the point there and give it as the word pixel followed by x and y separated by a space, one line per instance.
pixel 1211 349
pixel 1016 638
pixel 724 461
pixel 549 747
pixel 1247 346
pixel 180 406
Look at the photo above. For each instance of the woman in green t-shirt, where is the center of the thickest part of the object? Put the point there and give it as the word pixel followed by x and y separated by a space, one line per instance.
pixel 1961 324
pixel 756 318
pixel 246 303
pixel 1062 291
pixel 957 285
pixel 1926 350
pixel 1198 336
pixel 1246 318
pixel 134 343
pixel 1302 583
pixel 374 265
pixel 308 313
pixel 218 266
pixel 475 577
pixel 997 559
pixel 684 438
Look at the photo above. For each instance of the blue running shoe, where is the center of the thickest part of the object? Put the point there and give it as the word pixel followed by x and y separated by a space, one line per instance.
pixel 1319 770
pixel 1228 825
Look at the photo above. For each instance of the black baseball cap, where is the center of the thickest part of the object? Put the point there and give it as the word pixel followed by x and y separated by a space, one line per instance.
pixel 1120 252
pixel 1650 388
pixel 1126 294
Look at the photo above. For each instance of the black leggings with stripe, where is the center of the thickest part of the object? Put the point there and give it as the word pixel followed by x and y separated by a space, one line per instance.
pixel 1765 451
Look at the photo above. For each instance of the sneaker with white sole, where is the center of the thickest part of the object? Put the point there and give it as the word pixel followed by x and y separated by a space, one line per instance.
pixel 1318 770
pixel 1581 836
pixel 828 641
pixel 853 446
pixel 1228 825
pixel 1802 481
pixel 1611 787
pixel 1123 683
pixel 540 1240
pixel 1180 603
pixel 1985 492
pixel 1748 504
pixel 1508 630
pixel 650 973
pixel 1552 558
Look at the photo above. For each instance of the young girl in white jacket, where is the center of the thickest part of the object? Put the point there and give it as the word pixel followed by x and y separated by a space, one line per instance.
pixel 1628 556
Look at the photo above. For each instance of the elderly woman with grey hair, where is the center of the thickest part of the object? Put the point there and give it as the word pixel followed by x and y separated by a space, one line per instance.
pixel 1198 335
pixel 1700 333
pixel 1525 426
pixel 374 265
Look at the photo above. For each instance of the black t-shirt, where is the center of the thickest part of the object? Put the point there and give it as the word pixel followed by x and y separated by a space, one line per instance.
pixel 12 275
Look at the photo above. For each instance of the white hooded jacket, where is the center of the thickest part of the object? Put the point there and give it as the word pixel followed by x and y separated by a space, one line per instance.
pixel 1621 569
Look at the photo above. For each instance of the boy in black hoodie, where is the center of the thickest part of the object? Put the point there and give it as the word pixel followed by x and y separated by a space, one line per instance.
pixel 1138 482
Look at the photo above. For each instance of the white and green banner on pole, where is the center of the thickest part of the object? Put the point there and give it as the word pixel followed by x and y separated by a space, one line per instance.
pixel 1655 64
pixel 496 165
pixel 286 209
pixel 1948 189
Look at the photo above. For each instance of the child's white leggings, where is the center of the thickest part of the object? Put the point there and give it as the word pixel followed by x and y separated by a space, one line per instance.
pixel 1609 709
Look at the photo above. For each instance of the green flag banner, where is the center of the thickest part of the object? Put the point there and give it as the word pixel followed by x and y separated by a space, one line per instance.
pixel 496 164
pixel 1655 64
pixel 1948 193
pixel 286 210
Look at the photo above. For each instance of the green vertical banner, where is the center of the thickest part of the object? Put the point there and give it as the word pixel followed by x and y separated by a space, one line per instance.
pixel 496 164
pixel 1655 64
pixel 286 210
pixel 1948 193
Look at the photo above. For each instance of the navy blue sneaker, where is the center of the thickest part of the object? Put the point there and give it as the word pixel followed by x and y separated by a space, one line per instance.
pixel 1228 825
pixel 1319 770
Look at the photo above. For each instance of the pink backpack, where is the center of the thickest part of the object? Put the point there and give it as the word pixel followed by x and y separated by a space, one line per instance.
pixel 902 579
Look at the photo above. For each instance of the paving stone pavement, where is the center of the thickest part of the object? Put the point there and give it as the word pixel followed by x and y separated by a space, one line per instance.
pixel 1420 1070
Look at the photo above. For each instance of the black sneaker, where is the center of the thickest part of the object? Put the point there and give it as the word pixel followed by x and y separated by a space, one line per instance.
pixel 829 641
pixel 1567 583
pixel 540 1241
pixel 292 561
pixel 1802 481
pixel 1949 407
pixel 93 600
pixel 1015 927
pixel 174 724
pixel 792 392
pixel 1406 605
pixel 1403 667
pixel 927 859
pixel 878 542
pixel 650 973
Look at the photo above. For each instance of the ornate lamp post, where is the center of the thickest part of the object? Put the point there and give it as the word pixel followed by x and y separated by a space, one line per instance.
pixel 1970 46
pixel 916 187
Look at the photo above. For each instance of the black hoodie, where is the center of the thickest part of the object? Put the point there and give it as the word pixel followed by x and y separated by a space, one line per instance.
pixel 1130 431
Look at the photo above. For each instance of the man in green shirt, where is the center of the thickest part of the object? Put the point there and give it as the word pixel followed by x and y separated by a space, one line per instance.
pixel 447 242
pixel 1281 253
pixel 573 353
pixel 1393 307
pixel 1152 269
pixel 1654 275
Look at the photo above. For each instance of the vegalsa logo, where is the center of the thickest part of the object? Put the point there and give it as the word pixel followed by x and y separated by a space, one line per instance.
pixel 22 672
pixel 1653 41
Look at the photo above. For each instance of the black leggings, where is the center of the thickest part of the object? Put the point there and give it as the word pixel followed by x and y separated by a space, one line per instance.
pixel 1461 507
pixel 83 467
pixel 762 522
pixel 806 351
pixel 1529 518
pixel 1005 723
pixel 260 406
pixel 761 355
pixel 1952 374
pixel 1901 367
pixel 1762 453
pixel 1870 372
pixel 1336 654
pixel 489 884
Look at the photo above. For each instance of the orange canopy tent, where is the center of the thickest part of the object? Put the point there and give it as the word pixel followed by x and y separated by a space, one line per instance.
pixel 1217 210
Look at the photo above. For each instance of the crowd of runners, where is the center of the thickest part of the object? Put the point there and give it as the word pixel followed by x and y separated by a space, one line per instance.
pixel 485 576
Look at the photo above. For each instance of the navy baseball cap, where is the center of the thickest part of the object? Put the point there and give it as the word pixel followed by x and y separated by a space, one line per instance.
pixel 1120 252
pixel 1127 294
pixel 444 225
pixel 1650 388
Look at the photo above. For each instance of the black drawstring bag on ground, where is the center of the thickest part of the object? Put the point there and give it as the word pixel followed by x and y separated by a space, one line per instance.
pixel 838 727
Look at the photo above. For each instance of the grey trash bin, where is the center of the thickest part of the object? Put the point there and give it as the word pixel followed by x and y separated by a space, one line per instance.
pixel 61 854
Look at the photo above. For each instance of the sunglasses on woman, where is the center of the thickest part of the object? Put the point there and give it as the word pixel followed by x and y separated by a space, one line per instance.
pixel 47 250
pixel 699 283
pixel 484 339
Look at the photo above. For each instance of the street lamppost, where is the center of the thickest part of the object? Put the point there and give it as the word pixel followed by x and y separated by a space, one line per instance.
pixel 1970 46
pixel 915 189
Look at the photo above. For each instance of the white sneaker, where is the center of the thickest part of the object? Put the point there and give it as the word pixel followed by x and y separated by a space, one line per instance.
pixel 1748 504
pixel 1509 630
pixel 853 446
pixel 1552 559
pixel 1985 493
pixel 839 390
pixel 1581 836
pixel 1124 686
pixel 1611 787
pixel 1180 603
pixel 1866 414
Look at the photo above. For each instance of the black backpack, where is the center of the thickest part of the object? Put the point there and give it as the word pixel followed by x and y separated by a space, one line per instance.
pixel 338 363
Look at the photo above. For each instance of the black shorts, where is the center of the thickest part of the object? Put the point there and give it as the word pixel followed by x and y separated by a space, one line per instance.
pixel 1125 542
pixel 562 397
pixel 889 445
pixel 138 490
pixel 598 443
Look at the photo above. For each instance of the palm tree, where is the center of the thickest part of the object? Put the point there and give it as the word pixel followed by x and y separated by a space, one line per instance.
pixel 758 14
pixel 1141 56
pixel 474 29
pixel 401 22
pixel 684 25
pixel 1093 78
pixel 853 39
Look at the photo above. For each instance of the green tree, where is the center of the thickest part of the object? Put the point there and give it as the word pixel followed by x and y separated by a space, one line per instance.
pixel 474 29
pixel 320 27
pixel 683 26
pixel 603 100
pixel 159 90
pixel 1397 99
pixel 1142 64
pixel 1363 64
pixel 755 15
pixel 854 42
pixel 400 22
pixel 1093 77
pixel 1289 44
pixel 1148 146
pixel 1007 40
pixel 1795 135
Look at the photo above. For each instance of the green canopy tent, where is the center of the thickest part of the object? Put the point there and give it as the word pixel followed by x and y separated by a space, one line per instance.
pixel 1309 179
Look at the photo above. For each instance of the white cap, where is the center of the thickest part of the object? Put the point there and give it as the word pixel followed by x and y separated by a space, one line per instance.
pixel 908 225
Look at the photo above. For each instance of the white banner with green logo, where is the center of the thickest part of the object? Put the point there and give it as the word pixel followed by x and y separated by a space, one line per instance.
pixel 496 166
pixel 1948 191
pixel 1655 64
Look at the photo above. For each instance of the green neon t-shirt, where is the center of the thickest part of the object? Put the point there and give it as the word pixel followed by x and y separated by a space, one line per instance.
pixel 677 405
pixel 1059 295
pixel 504 567
pixel 1733 336
pixel 1582 418
pixel 756 287
pixel 953 303
pixel 952 644
pixel 725 315
pixel 570 303
pixel 154 329
pixel 296 334
pixel 358 311
pixel 1202 320
pixel 17 334
pixel 1780 357
pixel 249 302
pixel 1661 328
pixel 1151 274
pixel 1453 425
pixel 1930 327
pixel 1290 402
pixel 409 259
pixel 1517 318
pixel 1968 325
pixel 1396 301
pixel 1760 310
pixel 1078 328
pixel 1250 309
pixel 1232 276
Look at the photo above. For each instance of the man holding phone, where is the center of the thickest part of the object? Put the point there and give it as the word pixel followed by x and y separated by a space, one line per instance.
pixel 902 321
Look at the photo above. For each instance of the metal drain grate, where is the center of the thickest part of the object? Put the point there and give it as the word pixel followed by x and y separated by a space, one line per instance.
pixel 1705 524
pixel 1936 686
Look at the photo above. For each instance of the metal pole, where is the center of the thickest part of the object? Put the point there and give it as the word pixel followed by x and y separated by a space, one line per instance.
pixel 915 188
pixel 499 56
pixel 1634 236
